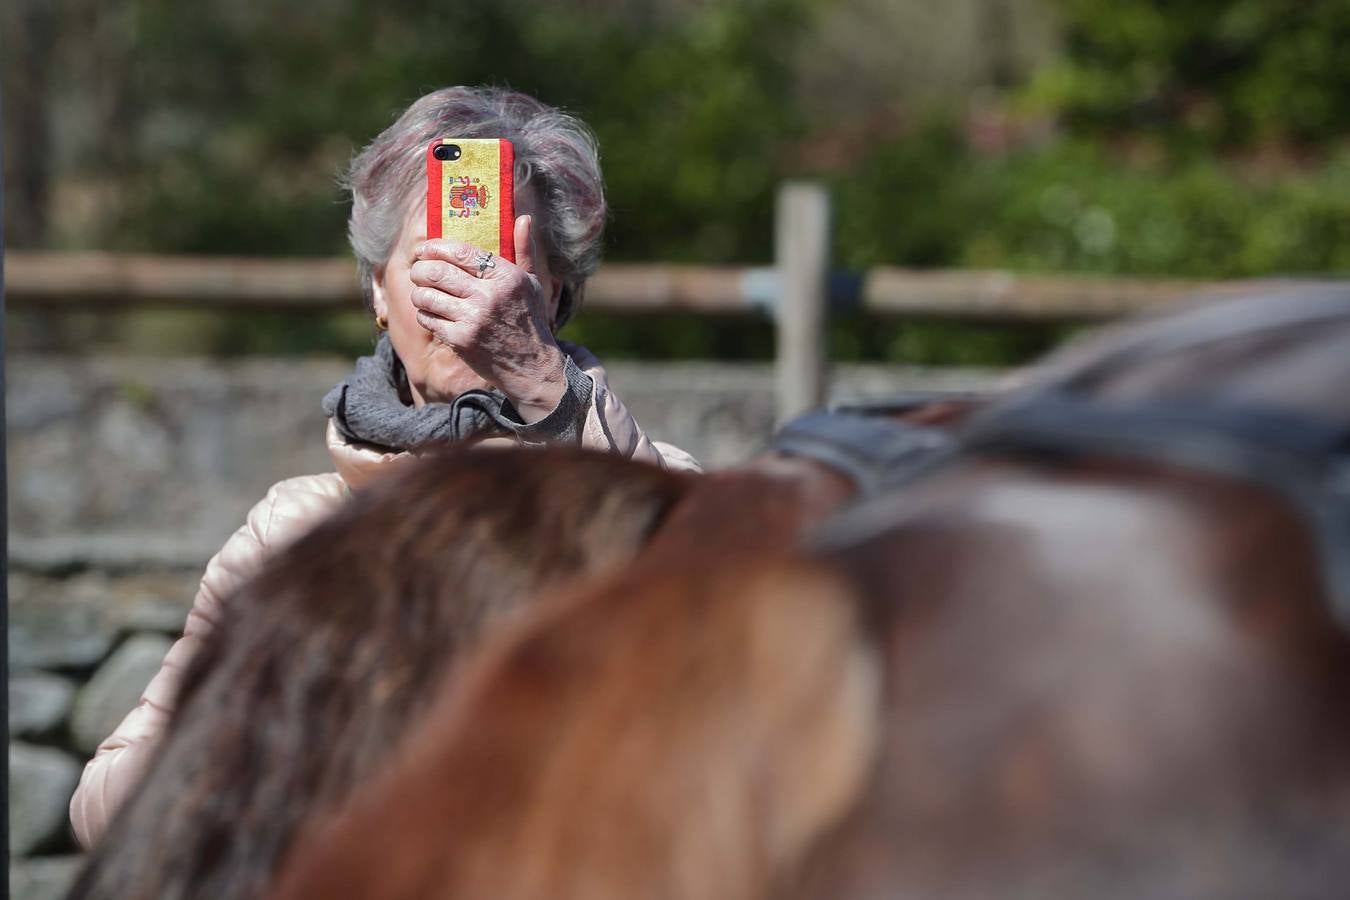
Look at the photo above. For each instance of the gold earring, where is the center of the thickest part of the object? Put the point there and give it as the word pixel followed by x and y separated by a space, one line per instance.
pixel 382 323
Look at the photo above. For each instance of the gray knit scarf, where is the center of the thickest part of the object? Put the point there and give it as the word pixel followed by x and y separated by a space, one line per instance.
pixel 369 406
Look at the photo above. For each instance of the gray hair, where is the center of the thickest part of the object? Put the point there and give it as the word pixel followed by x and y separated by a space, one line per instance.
pixel 554 151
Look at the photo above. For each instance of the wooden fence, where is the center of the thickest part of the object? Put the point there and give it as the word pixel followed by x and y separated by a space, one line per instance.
pixel 797 291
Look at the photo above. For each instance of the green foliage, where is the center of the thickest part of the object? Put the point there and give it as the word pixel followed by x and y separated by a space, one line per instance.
pixel 1070 206
pixel 1204 72
pixel 1202 139
pixel 908 202
pixel 1072 209
pixel 691 112
pixel 692 122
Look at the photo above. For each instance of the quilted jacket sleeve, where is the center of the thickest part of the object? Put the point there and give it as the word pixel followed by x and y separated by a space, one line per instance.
pixel 607 425
pixel 287 511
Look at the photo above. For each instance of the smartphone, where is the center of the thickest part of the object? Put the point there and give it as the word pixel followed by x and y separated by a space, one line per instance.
pixel 471 193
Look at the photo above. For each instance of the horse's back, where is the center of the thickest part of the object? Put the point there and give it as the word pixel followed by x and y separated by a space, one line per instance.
pixel 1123 685
pixel 1115 670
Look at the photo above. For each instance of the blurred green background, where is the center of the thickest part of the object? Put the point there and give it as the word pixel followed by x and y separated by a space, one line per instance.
pixel 1204 139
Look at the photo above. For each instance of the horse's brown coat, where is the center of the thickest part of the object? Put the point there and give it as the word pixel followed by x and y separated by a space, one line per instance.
pixel 688 744
pixel 623 672
pixel 1109 682
pixel 1096 679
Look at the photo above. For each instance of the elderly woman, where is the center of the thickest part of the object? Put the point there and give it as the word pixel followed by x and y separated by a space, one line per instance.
pixel 468 351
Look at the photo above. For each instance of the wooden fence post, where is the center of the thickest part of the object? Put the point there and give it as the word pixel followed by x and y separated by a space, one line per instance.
pixel 802 257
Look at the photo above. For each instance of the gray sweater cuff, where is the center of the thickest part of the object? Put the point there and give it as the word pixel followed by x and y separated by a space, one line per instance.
pixel 564 425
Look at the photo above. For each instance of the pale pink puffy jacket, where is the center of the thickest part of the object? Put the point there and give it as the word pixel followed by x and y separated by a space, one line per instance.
pixel 288 510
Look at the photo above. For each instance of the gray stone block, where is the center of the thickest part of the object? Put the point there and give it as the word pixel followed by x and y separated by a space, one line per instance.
pixel 115 688
pixel 178 448
pixel 43 877
pixel 41 781
pixel 38 703
pixel 152 613
pixel 58 639
pixel 60 622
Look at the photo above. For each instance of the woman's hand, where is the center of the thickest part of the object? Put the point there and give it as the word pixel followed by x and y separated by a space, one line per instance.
pixel 498 323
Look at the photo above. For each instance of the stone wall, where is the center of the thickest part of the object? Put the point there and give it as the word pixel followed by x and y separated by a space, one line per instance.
pixel 127 473
pixel 82 646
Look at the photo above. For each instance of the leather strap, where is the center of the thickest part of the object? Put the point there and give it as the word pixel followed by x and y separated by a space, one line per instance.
pixel 874 453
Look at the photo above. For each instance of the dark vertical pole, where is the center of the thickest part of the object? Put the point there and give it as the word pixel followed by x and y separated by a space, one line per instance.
pixel 29 34
pixel 4 507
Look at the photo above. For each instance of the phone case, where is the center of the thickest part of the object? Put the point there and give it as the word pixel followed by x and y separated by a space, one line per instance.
pixel 471 193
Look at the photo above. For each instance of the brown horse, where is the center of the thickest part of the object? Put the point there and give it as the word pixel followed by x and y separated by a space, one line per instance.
pixel 325 657
pixel 1101 651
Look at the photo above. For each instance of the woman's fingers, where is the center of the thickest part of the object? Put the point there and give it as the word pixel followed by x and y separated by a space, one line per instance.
pixel 453 334
pixel 444 292
pixel 442 305
pixel 432 273
pixel 475 308
pixel 463 256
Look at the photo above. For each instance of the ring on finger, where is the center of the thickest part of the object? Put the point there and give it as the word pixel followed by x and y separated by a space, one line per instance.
pixel 485 262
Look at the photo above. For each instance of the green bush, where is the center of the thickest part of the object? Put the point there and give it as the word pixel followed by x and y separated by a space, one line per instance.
pixel 691 110
pixel 245 113
pixel 1070 206
pixel 1203 73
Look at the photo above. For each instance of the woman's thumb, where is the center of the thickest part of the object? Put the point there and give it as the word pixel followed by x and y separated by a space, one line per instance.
pixel 524 241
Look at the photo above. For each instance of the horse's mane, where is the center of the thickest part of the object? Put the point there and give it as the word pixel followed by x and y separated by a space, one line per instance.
pixel 322 659
pixel 681 729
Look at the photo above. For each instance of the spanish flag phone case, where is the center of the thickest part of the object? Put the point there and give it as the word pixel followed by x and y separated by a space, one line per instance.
pixel 471 194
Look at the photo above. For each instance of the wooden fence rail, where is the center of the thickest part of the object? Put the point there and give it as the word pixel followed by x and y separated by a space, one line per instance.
pixel 798 291
pixel 99 280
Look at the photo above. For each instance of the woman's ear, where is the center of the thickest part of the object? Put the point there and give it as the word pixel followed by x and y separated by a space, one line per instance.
pixel 379 303
pixel 554 299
